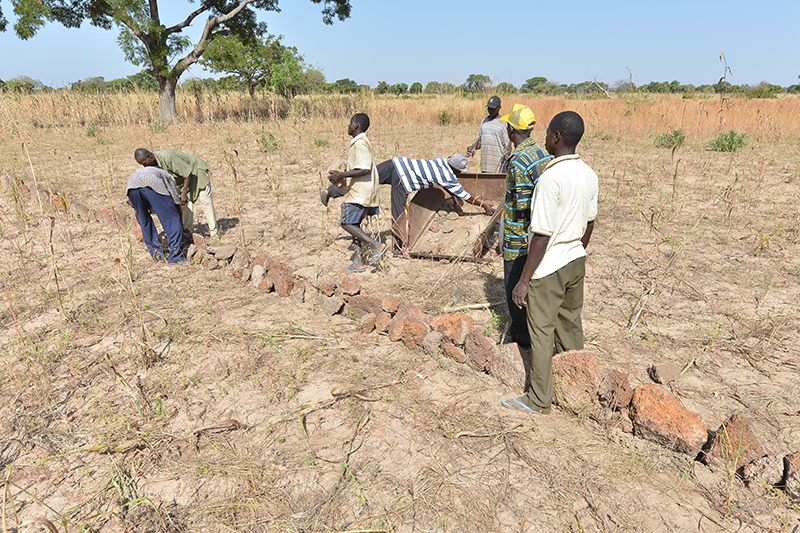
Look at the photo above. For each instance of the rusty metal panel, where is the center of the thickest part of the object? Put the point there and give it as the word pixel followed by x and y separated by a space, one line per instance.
pixel 491 187
pixel 418 214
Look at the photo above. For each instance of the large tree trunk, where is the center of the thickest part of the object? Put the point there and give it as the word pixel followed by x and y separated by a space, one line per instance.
pixel 167 112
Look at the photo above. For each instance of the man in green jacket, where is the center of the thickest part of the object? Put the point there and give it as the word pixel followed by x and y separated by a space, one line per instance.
pixel 192 178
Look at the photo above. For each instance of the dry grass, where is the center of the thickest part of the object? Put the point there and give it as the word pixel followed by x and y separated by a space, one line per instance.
pixel 122 379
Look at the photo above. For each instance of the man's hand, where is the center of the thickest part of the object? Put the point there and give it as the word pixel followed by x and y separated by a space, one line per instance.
pixel 489 209
pixel 184 198
pixel 470 151
pixel 520 294
pixel 335 175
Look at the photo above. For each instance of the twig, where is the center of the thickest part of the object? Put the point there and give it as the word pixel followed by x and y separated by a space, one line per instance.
pixel 496 434
pixel 484 305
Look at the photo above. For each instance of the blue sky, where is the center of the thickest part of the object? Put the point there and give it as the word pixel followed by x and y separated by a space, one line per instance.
pixel 415 40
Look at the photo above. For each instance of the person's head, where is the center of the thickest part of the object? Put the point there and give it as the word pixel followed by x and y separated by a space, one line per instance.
pixel 493 106
pixel 564 133
pixel 145 157
pixel 358 124
pixel 519 123
pixel 458 163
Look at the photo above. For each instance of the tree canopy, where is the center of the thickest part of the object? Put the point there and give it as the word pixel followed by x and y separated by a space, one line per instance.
pixel 264 62
pixel 147 41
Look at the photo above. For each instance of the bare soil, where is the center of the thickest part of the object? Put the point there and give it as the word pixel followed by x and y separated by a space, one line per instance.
pixel 143 397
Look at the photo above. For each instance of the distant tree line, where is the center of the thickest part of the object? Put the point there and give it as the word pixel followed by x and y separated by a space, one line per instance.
pixel 286 75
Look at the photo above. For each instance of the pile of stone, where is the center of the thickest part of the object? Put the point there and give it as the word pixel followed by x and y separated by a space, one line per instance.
pixel 454 336
pixel 651 411
pixel 264 273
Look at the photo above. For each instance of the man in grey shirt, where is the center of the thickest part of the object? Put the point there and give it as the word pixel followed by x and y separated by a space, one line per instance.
pixel 151 189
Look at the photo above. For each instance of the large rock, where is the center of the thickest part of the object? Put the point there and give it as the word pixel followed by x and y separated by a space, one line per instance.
pixel 367 323
pixel 454 352
pixel 791 473
pixel 657 415
pixel 350 286
pixel 454 327
pixel 511 365
pixel 240 261
pixel 413 333
pixel 576 377
pixel 615 390
pixel 734 444
pixel 390 304
pixel 411 312
pixel 331 304
pixel 431 343
pixel 478 349
pixel 362 304
pixel 764 472
pixel 283 280
pixel 327 286
pixel 222 253
pixel 395 329
pixel 382 322
pixel 257 274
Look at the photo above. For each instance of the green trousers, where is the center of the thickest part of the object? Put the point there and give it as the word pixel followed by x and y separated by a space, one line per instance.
pixel 554 306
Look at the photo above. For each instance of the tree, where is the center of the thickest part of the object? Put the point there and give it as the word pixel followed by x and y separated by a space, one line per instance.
pixel 89 85
pixel 415 88
pixel 145 40
pixel 532 85
pixel 398 88
pixel 477 83
pixel 253 63
pixel 432 87
pixel 505 88
pixel 382 88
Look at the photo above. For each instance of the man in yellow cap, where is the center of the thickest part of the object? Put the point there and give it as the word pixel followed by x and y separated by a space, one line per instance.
pixel 528 161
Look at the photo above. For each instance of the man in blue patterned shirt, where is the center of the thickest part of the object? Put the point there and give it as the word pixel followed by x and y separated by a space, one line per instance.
pixel 527 162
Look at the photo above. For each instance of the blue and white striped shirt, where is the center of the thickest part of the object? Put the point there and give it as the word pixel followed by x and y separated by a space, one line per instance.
pixel 416 174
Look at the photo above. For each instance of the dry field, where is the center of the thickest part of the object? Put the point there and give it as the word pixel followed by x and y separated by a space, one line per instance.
pixel 139 397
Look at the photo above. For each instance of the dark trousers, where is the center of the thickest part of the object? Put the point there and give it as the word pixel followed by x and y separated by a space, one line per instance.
pixel 145 199
pixel 518 330
pixel 385 171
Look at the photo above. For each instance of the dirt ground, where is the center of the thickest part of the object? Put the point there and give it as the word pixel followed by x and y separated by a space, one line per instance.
pixel 143 397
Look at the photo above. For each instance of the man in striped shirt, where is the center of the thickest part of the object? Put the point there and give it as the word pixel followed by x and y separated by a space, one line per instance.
pixel 153 189
pixel 527 164
pixel 408 175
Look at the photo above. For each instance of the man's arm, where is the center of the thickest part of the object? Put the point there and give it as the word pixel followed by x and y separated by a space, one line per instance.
pixel 587 234
pixel 474 146
pixel 489 209
pixel 185 191
pixel 536 249
pixel 335 175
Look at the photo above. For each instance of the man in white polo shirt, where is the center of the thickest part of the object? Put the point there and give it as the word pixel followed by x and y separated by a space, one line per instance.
pixel 563 211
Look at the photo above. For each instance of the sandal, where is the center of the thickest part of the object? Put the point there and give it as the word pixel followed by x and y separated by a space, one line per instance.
pixel 377 256
pixel 357 270
pixel 517 405
pixel 323 195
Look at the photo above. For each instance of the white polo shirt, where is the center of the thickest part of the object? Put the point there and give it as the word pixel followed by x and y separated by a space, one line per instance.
pixel 564 202
pixel 362 190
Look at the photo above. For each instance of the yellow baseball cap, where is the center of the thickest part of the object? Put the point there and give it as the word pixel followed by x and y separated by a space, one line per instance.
pixel 520 118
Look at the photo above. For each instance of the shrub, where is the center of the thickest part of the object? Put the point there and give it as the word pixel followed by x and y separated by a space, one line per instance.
pixel 268 142
pixel 671 139
pixel 444 118
pixel 730 141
